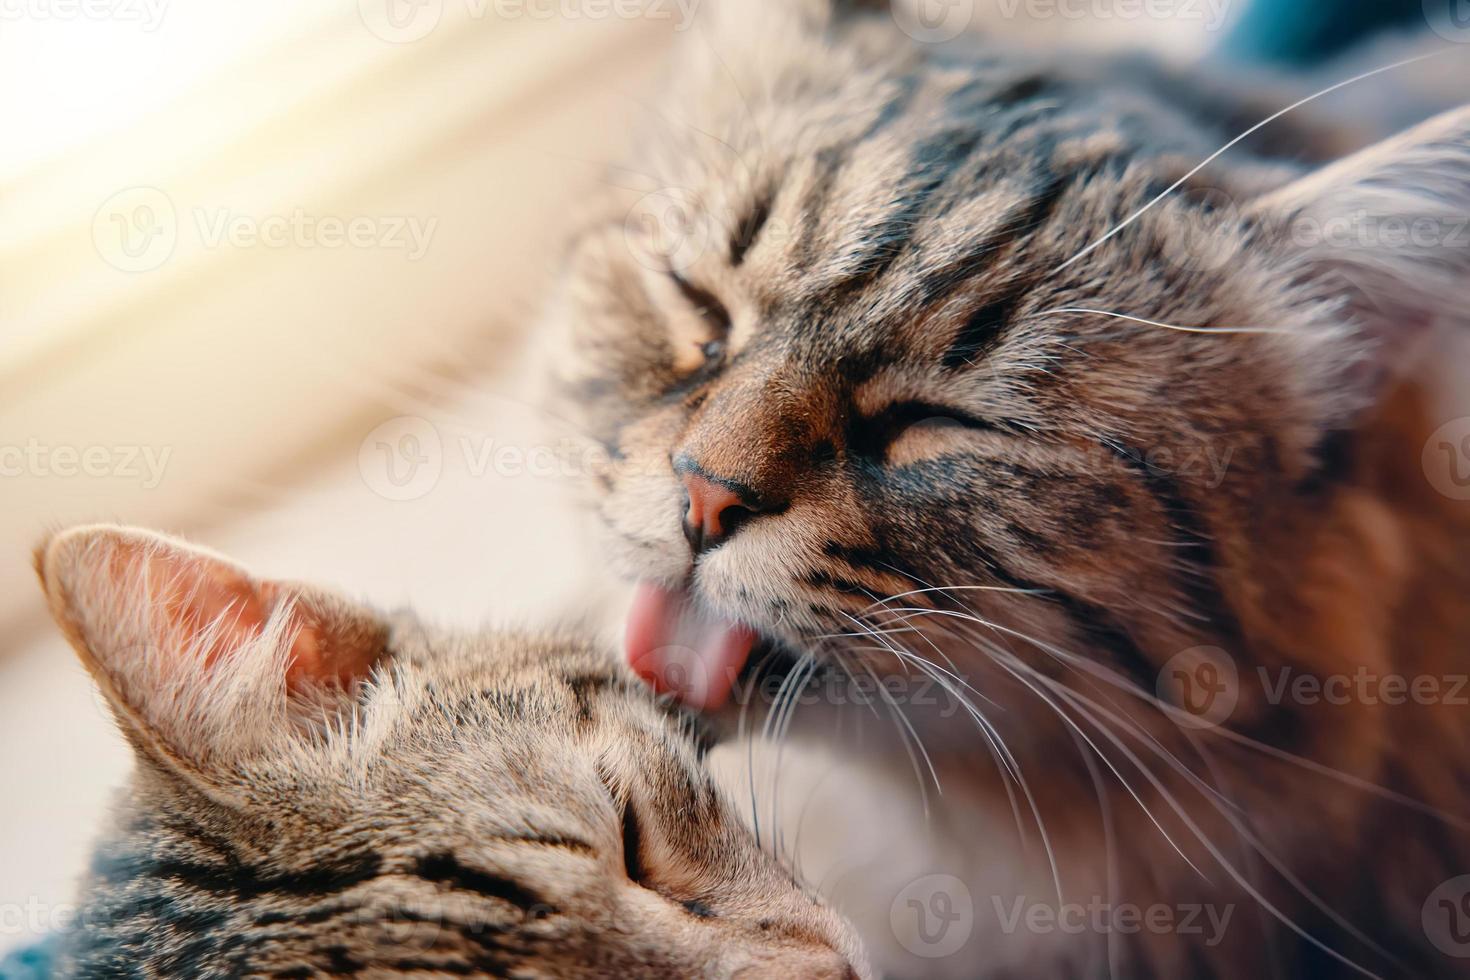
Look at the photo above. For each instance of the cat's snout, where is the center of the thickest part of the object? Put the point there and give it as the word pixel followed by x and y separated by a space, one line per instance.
pixel 714 508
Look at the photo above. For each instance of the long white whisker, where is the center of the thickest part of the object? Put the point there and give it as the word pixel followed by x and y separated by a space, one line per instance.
pixel 998 745
pixel 1166 326
pixel 903 725
pixel 1211 796
pixel 1245 135
pixel 1122 683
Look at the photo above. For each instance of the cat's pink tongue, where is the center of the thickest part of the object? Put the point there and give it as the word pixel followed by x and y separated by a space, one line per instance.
pixel 677 648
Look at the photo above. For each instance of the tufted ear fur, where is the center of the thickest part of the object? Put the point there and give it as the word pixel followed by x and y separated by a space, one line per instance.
pixel 1388 226
pixel 204 665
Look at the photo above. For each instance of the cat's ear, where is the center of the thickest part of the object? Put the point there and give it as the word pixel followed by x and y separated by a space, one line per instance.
pixel 204 664
pixel 1389 228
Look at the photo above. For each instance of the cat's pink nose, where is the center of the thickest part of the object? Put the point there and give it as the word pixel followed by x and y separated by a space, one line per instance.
pixel 715 509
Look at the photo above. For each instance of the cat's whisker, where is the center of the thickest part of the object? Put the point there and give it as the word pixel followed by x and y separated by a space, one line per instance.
pixel 1128 686
pixel 1159 323
pixel 903 725
pixel 1073 697
pixel 1211 796
pixel 790 686
pixel 990 648
pixel 994 743
pixel 1234 873
pixel 1234 142
pixel 807 666
pixel 899 716
pixel 1011 590
pixel 1006 762
pixel 743 734
pixel 1163 752
pixel 1110 849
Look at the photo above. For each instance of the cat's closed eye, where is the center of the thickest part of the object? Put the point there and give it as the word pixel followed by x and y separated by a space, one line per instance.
pixel 901 429
pixel 715 314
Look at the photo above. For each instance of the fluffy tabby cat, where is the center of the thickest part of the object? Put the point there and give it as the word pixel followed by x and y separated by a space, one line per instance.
pixel 945 357
pixel 322 791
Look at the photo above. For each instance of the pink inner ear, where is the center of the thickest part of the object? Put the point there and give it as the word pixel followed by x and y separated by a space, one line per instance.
pixel 196 591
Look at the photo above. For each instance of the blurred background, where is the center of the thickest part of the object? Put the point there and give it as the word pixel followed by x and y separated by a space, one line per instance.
pixel 267 274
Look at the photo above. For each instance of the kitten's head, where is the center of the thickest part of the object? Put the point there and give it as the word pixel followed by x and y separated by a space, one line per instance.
pixel 323 790
pixel 903 319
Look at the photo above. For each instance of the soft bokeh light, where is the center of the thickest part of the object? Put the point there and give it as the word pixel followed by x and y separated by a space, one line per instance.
pixel 77 70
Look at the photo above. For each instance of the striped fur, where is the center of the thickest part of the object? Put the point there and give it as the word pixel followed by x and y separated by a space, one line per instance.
pixel 493 805
pixel 869 322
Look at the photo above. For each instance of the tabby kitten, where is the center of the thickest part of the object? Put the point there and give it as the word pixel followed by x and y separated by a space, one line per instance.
pixel 321 791
pixel 947 359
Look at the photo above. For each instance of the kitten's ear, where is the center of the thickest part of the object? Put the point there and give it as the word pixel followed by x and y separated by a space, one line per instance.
pixel 1389 226
pixel 204 664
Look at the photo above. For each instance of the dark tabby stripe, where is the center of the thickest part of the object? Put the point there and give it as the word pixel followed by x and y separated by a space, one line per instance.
pixel 749 229
pixel 237 879
pixel 1196 545
pixel 981 331
pixel 584 687
pixel 1336 456
pixel 826 580
pixel 933 162
pixel 937 286
pixel 446 869
pixel 1090 621
pixel 832 160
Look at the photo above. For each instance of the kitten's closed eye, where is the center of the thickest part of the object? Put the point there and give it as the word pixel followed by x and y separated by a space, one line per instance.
pixel 632 846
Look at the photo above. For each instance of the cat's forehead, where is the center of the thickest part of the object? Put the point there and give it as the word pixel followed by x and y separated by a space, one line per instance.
pixel 501 699
pixel 854 214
